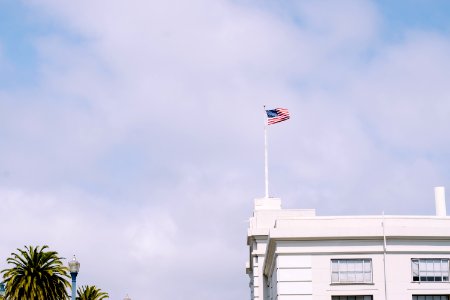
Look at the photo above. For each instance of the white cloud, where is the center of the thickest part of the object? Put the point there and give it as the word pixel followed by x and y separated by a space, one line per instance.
pixel 142 138
pixel 404 93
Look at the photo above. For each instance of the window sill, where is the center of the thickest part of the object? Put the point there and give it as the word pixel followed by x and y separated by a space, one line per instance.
pixel 352 283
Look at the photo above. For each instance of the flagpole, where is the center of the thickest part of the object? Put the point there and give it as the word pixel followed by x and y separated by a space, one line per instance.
pixel 266 168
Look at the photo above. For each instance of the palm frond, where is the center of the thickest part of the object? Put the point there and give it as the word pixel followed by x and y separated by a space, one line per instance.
pixel 36 274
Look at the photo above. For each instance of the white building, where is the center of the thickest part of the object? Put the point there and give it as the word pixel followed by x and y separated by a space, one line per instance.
pixel 294 254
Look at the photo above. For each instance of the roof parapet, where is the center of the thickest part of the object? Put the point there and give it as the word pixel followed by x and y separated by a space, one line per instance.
pixel 267 204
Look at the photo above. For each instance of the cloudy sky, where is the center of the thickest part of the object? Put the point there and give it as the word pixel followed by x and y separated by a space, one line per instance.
pixel 131 132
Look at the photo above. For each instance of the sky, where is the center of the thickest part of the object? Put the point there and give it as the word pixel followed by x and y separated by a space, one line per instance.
pixel 132 132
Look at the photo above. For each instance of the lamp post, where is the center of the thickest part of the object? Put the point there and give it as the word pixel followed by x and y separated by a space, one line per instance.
pixel 2 289
pixel 74 267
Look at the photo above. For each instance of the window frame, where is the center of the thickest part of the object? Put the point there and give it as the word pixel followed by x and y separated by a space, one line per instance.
pixel 340 262
pixel 416 297
pixel 337 297
pixel 442 271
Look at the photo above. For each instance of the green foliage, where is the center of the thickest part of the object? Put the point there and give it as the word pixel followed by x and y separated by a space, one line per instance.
pixel 92 292
pixel 36 274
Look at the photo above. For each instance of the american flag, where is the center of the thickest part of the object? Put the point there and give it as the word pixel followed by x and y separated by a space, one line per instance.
pixel 277 115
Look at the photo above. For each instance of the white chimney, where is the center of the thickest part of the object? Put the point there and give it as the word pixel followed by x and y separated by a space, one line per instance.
pixel 439 199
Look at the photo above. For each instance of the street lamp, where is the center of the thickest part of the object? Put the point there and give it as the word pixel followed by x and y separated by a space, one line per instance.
pixel 74 267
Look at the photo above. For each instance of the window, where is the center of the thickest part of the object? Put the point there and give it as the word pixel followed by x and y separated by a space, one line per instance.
pixel 356 298
pixel 351 271
pixel 429 297
pixel 429 269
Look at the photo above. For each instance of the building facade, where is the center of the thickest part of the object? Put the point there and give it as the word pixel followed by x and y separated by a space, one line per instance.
pixel 294 254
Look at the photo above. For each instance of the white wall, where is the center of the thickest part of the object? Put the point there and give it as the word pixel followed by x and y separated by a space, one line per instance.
pixel 294 275
pixel 295 248
pixel 302 269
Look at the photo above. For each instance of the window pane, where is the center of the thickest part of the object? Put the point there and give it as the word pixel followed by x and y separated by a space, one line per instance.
pixel 444 269
pixel 437 268
pixel 351 270
pixel 367 265
pixel 367 297
pixel 430 297
pixel 422 266
pixel 415 267
pixel 334 266
pixel 343 266
pixel 430 269
pixel 428 263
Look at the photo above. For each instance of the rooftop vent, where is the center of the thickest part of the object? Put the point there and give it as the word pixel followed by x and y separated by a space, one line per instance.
pixel 439 199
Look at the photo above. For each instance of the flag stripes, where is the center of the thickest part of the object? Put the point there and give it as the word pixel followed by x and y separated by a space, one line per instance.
pixel 277 115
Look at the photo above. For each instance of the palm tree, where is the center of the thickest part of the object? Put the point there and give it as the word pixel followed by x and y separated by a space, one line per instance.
pixel 36 274
pixel 92 292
